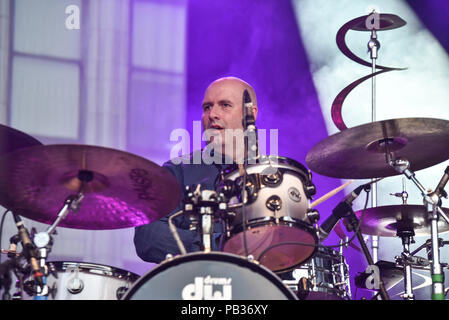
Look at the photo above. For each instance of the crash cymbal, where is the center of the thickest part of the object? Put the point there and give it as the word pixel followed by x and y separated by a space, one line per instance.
pixel 360 152
pixel 13 139
pixel 120 189
pixel 385 221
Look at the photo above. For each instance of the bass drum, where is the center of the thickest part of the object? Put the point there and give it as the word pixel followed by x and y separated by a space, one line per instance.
pixel 209 276
pixel 69 280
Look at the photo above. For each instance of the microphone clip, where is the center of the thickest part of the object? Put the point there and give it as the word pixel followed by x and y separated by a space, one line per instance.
pixel 343 210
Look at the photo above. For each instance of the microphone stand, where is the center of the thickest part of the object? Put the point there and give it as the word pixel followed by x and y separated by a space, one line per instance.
pixel 43 240
pixel 354 225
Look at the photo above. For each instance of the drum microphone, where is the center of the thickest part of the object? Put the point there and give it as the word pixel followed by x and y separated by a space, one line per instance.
pixel 249 126
pixel 439 190
pixel 343 209
pixel 29 249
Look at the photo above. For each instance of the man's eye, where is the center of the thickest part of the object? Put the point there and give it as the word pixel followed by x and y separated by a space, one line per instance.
pixel 206 107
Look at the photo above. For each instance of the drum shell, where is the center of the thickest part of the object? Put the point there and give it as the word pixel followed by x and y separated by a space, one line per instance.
pixel 174 279
pixel 328 276
pixel 100 282
pixel 294 178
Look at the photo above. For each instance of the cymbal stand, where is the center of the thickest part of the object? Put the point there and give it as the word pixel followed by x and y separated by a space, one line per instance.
pixel 373 48
pixel 406 234
pixel 431 200
pixel 43 240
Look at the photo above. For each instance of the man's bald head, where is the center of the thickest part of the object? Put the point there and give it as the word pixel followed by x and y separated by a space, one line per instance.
pixel 234 81
pixel 222 107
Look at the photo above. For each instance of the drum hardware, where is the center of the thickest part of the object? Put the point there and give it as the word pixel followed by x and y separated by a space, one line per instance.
pixel 431 201
pixel 382 22
pixel 406 233
pixel 323 277
pixel 203 207
pixel 44 241
pixel 344 209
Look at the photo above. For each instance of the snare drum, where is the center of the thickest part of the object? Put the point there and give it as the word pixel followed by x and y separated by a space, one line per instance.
pixel 278 194
pixel 324 277
pixel 87 281
pixel 209 276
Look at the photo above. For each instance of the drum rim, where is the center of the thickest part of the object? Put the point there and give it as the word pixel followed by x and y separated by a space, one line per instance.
pixel 211 256
pixel 283 160
pixel 115 272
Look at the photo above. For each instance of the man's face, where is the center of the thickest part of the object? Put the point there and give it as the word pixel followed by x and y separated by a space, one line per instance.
pixel 222 106
pixel 222 113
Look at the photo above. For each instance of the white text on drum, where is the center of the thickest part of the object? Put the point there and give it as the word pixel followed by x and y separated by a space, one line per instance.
pixel 202 288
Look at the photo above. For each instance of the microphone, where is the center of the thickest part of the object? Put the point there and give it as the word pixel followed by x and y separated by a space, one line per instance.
pixel 29 249
pixel 343 209
pixel 439 190
pixel 249 126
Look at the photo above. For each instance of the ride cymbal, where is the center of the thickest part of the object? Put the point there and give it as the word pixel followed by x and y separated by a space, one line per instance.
pixel 360 152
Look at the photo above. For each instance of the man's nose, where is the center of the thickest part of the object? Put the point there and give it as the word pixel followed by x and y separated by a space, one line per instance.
pixel 214 112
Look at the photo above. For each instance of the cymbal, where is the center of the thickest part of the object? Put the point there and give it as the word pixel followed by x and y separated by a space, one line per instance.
pixel 387 21
pixel 120 189
pixel 385 221
pixel 13 139
pixel 360 152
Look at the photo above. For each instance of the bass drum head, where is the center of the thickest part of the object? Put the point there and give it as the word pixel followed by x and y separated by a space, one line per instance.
pixel 209 276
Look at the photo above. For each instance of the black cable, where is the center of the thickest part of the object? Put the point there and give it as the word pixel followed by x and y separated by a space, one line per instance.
pixel 245 162
pixel 1 229
pixel 318 245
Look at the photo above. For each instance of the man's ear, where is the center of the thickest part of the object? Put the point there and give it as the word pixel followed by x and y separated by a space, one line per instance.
pixel 255 112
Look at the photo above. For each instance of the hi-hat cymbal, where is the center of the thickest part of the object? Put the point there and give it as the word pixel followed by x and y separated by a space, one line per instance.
pixel 385 221
pixel 360 152
pixel 13 139
pixel 120 189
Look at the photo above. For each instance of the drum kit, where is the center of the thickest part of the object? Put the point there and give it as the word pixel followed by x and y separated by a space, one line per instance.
pixel 271 243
